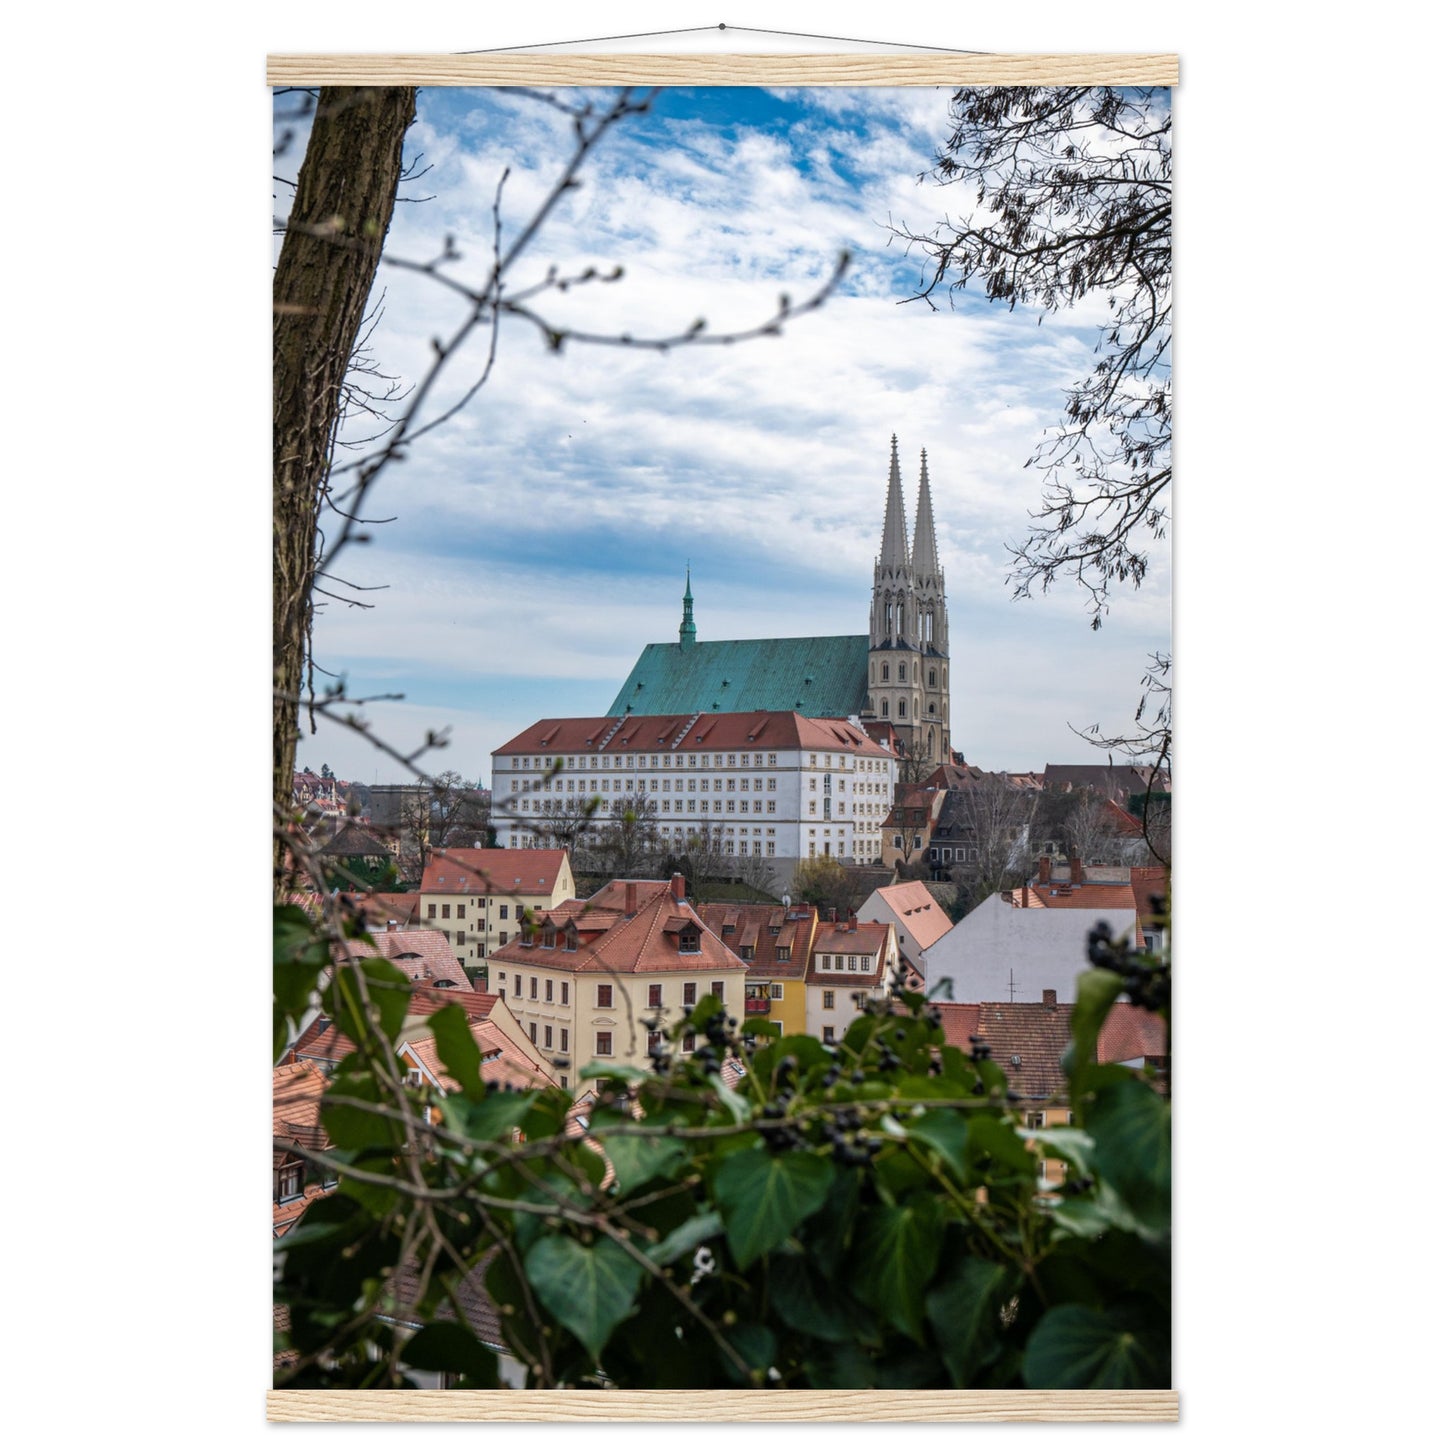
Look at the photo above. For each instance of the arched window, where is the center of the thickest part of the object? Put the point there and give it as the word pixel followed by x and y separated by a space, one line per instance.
pixel 933 677
pixel 885 707
pixel 885 672
pixel 902 707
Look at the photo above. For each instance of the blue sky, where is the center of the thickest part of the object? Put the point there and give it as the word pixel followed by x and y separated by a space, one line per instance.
pixel 541 536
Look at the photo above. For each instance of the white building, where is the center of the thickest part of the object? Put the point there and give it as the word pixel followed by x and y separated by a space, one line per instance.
pixel 770 785
pixel 1002 952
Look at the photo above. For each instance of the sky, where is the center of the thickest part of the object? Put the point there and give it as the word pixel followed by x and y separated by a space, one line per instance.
pixel 541 537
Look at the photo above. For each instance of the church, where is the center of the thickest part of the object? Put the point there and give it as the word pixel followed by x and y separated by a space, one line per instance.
pixel 894 677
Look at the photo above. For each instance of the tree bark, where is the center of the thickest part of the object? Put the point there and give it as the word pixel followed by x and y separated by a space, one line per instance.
pixel 345 194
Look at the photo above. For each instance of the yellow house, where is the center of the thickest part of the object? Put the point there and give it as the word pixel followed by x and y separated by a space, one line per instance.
pixel 479 896
pixel 774 941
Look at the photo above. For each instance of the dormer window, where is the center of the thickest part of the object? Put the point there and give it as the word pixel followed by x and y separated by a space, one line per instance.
pixel 689 940
pixel 549 936
pixel 784 954
pixel 289 1182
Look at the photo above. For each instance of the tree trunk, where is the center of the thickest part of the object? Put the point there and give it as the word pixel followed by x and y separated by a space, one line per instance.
pixel 343 204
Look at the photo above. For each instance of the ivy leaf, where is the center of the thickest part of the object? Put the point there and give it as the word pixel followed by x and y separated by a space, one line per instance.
pixel 356 1128
pixel 947 1135
pixel 963 1308
pixel 457 1049
pixel 637 1158
pixel 452 1348
pixel 763 1197
pixel 1076 1348
pixel 806 1303
pixel 495 1116
pixel 1097 990
pixel 388 990
pixel 686 1239
pixel 1130 1125
pixel 895 1255
pixel 588 1288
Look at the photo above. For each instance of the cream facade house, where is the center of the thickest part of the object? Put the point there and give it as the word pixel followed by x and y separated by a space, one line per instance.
pixel 478 897
pixel 852 963
pixel 602 980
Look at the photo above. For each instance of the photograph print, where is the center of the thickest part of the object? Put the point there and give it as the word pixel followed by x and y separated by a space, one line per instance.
pixel 722 738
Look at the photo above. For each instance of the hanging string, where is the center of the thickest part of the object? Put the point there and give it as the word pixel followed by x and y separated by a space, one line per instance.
pixel 708 29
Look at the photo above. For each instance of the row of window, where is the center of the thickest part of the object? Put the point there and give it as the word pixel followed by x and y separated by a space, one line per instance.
pixel 674 760
pixel 846 963
pixel 446 908
pixel 604 991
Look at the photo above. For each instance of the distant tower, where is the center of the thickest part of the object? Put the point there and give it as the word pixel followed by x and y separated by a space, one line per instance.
pixel 908 629
pixel 687 633
pixel 932 627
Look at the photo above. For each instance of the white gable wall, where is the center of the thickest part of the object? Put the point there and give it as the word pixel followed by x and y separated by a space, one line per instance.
pixel 1031 948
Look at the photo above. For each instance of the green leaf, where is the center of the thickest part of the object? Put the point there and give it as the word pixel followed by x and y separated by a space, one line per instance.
pixel 805 1302
pixel 497 1115
pixel 1130 1125
pixel 996 1144
pixel 387 988
pixel 355 1128
pixel 457 1049
pixel 687 1238
pixel 894 1257
pixel 1076 1348
pixel 452 1348
pixel 636 1158
pixel 963 1308
pixel 588 1288
pixel 1097 990
pixel 947 1135
pixel 764 1197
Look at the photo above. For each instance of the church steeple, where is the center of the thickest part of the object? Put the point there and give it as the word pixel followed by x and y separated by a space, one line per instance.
pixel 687 633
pixel 894 552
pixel 925 550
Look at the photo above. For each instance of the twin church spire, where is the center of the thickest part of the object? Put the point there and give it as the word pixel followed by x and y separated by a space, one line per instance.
pixel 908 626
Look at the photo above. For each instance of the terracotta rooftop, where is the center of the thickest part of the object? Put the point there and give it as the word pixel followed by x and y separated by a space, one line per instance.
pixel 422 954
pixel 296 1091
pixel 1082 895
pixel 689 732
pixel 646 942
pixel 918 910
pixel 1036 1035
pixel 765 928
pixel 493 870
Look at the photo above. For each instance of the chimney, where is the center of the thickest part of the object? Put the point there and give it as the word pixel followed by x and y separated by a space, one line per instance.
pixel 391 925
pixel 1076 871
pixel 1051 998
pixel 679 887
pixel 631 899
pixel 832 915
pixel 1046 869
pixel 852 921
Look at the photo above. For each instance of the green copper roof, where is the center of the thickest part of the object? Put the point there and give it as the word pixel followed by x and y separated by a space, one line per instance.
pixel 814 676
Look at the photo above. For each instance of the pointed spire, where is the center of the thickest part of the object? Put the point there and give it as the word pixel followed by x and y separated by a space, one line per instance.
pixel 894 552
pixel 925 550
pixel 687 633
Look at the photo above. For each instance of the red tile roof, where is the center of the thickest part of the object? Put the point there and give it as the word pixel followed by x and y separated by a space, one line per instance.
pixel 284 1216
pixel 644 943
pixel 687 732
pixel 1036 1034
pixel 750 926
pixel 919 911
pixel 379 909
pixel 493 870
pixel 1131 1033
pixel 1084 895
pixel 422 954
pixel 296 1091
